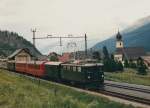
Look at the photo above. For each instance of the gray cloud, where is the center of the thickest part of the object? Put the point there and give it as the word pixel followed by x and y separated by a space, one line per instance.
pixel 99 18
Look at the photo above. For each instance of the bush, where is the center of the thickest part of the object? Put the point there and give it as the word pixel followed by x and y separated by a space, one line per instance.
pixel 141 67
pixel 126 63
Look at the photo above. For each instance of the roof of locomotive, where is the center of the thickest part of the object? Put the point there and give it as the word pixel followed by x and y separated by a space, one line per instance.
pixel 74 64
pixel 84 65
pixel 53 63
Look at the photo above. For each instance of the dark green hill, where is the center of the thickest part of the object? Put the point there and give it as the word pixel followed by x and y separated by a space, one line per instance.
pixel 10 41
pixel 136 35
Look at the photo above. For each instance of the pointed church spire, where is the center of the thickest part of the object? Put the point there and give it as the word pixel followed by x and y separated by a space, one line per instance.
pixel 119 41
pixel 118 36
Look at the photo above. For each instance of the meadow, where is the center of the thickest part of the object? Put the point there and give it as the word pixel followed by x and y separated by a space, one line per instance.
pixel 128 76
pixel 22 92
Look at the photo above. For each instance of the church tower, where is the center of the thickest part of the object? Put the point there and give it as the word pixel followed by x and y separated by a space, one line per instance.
pixel 119 42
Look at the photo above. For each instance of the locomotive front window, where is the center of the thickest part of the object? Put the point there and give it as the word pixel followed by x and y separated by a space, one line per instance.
pixel 65 67
pixel 74 68
pixel 68 67
pixel 79 69
pixel 71 68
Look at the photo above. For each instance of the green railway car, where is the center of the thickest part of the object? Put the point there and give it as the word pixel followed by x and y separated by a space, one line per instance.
pixel 53 70
pixel 86 75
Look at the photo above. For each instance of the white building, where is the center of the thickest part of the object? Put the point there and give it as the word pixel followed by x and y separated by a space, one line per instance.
pixel 126 53
pixel 21 55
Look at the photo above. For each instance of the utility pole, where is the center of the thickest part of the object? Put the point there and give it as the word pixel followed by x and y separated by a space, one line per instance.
pixel 85 46
pixel 34 58
pixel 33 31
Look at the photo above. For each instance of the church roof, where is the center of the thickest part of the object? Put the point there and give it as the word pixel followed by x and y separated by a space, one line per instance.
pixel 131 52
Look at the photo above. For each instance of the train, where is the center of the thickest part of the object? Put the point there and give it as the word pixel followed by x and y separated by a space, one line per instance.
pixel 85 75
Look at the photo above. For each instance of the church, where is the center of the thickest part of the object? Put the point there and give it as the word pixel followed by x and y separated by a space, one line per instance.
pixel 123 53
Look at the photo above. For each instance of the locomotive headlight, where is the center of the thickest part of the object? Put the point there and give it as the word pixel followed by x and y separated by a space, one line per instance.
pixel 89 77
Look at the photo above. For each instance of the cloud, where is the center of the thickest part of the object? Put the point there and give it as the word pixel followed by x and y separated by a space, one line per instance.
pixel 99 18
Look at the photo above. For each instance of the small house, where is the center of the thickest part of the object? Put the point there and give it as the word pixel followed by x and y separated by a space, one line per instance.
pixel 21 55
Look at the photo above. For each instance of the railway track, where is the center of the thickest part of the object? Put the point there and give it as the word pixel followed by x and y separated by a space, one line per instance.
pixel 126 97
pixel 129 87
pixel 141 95
pixel 111 92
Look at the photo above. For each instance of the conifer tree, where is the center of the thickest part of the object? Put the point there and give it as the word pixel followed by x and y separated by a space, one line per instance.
pixel 105 52
pixel 96 55
pixel 132 64
pixel 141 67
pixel 120 66
pixel 126 63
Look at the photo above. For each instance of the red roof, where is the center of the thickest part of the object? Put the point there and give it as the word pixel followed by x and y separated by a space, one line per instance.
pixel 146 59
pixel 65 57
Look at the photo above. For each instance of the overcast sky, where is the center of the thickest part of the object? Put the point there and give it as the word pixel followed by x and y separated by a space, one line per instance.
pixel 98 18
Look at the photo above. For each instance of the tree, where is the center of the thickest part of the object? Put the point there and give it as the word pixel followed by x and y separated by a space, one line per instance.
pixel 120 66
pixel 126 63
pixel 96 55
pixel 113 63
pixel 110 65
pixel 53 58
pixel 107 61
pixel 132 64
pixel 112 56
pixel 105 52
pixel 141 67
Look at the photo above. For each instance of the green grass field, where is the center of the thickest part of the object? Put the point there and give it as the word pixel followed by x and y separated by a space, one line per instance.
pixel 129 76
pixel 22 92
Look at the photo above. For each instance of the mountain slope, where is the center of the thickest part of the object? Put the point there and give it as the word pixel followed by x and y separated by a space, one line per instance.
pixel 136 35
pixel 10 41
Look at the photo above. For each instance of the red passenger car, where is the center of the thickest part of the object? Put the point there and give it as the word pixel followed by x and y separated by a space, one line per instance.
pixel 35 68
pixel 21 67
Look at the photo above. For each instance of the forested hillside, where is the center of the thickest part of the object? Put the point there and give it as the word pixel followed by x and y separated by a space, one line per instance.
pixel 10 41
pixel 138 35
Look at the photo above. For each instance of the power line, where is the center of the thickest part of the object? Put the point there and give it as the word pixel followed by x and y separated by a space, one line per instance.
pixel 60 39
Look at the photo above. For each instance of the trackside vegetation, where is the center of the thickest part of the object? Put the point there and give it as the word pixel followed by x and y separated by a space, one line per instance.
pixel 22 92
pixel 129 76
pixel 110 64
